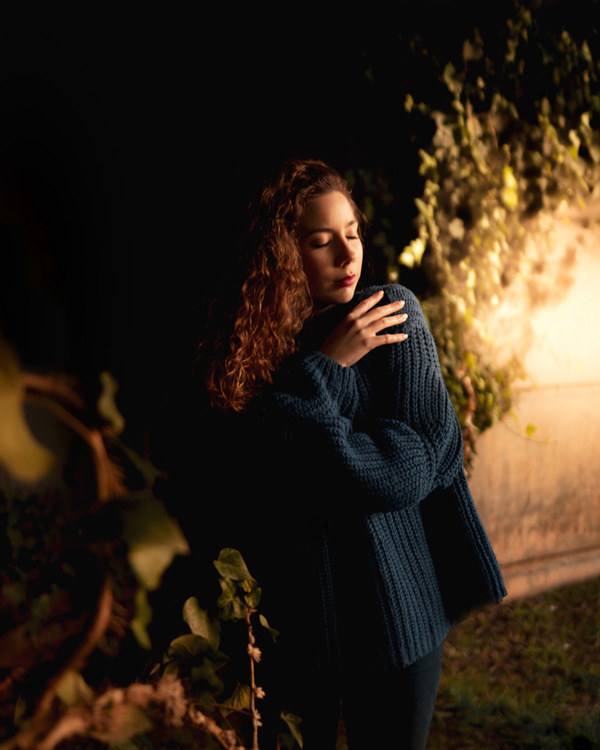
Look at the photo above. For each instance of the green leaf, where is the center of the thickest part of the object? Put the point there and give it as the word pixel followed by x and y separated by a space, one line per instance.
pixel 263 621
pixel 188 646
pixel 206 675
pixel 192 656
pixel 153 537
pixel 20 710
pixel 194 648
pixel 293 723
pixel 230 604
pixel 145 467
pixel 231 565
pixel 228 592
pixel 240 698
pixel 252 599
pixel 143 617
pixel 200 622
pixel 72 689
pixel 106 404
pixel 20 452
pixel 530 429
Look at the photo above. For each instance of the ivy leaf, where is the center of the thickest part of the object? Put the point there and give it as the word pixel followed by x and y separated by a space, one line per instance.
pixel 72 689
pixel 252 593
pixel 228 591
pixel 20 452
pixel 143 617
pixel 206 675
pixel 293 724
pixel 231 565
pixel 252 598
pixel 153 538
pixel 240 698
pixel 106 404
pixel 530 429
pixel 146 468
pixel 194 647
pixel 194 656
pixel 187 646
pixel 263 621
pixel 230 604
pixel 199 621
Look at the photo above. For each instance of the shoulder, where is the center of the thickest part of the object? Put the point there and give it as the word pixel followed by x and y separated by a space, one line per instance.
pixel 394 293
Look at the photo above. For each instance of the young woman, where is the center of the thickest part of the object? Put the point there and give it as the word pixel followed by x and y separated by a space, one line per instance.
pixel 370 543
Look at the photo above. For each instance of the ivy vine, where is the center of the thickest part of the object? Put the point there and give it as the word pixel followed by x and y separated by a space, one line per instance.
pixel 515 140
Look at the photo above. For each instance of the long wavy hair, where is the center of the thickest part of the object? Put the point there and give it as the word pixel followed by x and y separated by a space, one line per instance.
pixel 243 347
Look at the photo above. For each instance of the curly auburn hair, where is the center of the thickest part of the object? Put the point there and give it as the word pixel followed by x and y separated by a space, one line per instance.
pixel 274 301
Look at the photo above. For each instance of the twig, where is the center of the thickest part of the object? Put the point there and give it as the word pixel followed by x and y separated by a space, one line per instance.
pixel 96 717
pixel 254 654
pixel 107 481
pixel 226 738
pixel 55 385
pixel 40 726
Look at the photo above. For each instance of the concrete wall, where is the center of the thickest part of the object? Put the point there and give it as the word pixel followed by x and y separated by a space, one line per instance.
pixel 539 496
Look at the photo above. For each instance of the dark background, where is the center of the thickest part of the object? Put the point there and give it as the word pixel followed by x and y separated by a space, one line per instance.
pixel 138 139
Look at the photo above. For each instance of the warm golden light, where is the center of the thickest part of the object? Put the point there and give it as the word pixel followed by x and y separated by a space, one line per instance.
pixel 550 317
pixel 536 476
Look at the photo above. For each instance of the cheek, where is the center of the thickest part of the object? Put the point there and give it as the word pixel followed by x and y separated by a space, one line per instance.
pixel 313 270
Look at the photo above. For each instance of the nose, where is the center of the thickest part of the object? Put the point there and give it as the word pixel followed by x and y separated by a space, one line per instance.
pixel 346 252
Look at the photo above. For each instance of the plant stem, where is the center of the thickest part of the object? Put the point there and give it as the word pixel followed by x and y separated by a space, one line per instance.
pixel 253 711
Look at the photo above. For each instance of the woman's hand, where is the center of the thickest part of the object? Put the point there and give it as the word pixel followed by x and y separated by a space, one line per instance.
pixel 357 335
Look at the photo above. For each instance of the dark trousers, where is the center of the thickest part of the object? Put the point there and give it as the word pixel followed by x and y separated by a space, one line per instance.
pixel 391 710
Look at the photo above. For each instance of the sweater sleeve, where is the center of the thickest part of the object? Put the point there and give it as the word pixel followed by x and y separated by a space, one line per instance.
pixel 406 450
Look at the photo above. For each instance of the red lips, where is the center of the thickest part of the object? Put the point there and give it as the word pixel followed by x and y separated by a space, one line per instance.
pixel 346 281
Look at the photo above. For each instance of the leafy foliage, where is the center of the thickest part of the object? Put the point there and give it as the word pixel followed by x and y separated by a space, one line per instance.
pixel 196 656
pixel 513 139
pixel 28 459
pixel 80 555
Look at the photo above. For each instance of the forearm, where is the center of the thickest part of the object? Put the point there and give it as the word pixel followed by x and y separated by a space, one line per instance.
pixel 390 463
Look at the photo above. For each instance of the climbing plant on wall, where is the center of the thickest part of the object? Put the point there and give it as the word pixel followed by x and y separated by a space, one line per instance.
pixel 515 140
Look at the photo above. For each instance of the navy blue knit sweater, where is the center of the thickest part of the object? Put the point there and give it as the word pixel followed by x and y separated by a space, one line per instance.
pixel 401 548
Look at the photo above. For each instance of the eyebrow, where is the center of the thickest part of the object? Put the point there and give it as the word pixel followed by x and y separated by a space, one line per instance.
pixel 328 229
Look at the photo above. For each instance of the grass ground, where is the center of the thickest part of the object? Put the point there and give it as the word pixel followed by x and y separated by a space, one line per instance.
pixel 523 676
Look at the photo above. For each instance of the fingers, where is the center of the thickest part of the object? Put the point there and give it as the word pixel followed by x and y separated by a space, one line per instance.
pixel 389 338
pixel 364 306
pixel 364 312
pixel 360 331
pixel 392 320
pixel 370 320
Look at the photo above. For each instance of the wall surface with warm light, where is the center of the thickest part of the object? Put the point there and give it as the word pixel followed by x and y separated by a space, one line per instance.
pixel 538 489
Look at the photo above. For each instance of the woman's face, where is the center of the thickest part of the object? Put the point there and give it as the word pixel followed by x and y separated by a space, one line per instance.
pixel 330 248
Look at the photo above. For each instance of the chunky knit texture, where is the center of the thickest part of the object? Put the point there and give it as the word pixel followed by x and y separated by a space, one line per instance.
pixel 389 487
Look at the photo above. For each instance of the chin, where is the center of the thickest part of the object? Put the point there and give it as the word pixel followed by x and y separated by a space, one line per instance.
pixel 336 297
pixel 346 294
